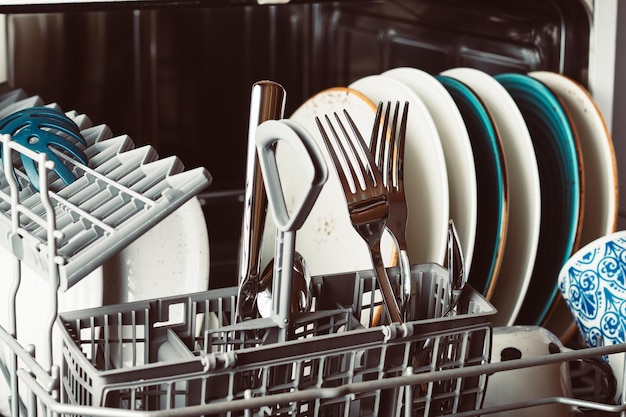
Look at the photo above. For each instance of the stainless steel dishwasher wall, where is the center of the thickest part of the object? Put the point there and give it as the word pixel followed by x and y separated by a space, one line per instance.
pixel 180 78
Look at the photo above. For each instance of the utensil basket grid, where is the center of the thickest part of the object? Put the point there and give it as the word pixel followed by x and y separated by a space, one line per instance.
pixel 186 355
pixel 134 356
pixel 340 369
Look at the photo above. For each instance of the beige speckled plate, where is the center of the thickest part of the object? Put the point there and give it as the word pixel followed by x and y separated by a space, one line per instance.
pixel 327 239
pixel 600 172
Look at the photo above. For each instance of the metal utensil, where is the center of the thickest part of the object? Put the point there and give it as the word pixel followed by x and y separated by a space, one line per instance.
pixel 387 146
pixel 267 102
pixel 456 267
pixel 365 194
pixel 287 221
pixel 301 296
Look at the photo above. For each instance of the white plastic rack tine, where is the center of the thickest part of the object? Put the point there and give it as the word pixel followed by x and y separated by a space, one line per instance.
pixel 103 151
pixel 20 105
pixel 80 190
pixel 152 175
pixel 11 97
pixel 82 120
pixel 130 161
pixel 96 134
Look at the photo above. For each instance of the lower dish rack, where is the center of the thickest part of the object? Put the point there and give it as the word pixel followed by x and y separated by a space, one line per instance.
pixel 186 355
pixel 134 357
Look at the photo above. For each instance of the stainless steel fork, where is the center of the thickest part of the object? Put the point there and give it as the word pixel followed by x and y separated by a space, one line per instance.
pixel 387 146
pixel 365 194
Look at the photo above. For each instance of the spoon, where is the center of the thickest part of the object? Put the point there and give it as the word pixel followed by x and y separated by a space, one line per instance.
pixel 301 297
pixel 313 170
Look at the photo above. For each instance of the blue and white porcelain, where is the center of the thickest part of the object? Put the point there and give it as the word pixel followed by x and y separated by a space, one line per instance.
pixel 593 284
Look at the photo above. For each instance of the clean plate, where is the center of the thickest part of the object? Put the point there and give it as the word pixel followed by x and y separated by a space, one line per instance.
pixel 561 184
pixel 326 240
pixel 425 175
pixel 524 197
pixel 169 259
pixel 600 172
pixel 492 186
pixel 457 150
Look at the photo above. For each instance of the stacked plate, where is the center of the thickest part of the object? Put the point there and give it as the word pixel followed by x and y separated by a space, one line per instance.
pixel 523 163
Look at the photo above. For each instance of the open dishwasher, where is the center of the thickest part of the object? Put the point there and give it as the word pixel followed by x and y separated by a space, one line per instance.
pixel 174 346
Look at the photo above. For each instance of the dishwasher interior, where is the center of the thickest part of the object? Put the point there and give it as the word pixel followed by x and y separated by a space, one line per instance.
pixel 179 78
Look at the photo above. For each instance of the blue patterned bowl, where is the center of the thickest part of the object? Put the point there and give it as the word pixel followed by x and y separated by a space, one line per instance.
pixel 593 284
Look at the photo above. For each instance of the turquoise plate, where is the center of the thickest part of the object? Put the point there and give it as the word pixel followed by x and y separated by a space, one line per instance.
pixel 559 175
pixel 491 183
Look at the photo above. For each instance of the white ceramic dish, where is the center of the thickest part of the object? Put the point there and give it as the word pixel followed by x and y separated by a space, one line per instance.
pixel 492 186
pixel 457 150
pixel 600 172
pixel 425 175
pixel 171 258
pixel 524 193
pixel 326 240
pixel 600 169
pixel 560 176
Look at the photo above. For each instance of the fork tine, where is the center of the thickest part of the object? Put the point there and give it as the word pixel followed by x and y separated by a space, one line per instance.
pixel 361 155
pixel 391 168
pixel 368 204
pixel 397 173
pixel 377 142
pixel 367 159
pixel 331 151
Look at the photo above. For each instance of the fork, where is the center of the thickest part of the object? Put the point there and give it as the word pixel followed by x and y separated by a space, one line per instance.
pixel 387 146
pixel 366 196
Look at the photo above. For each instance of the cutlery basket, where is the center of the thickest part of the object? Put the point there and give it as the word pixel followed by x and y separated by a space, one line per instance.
pixel 184 352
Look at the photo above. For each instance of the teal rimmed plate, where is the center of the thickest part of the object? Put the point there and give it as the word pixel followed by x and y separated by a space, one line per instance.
pixel 491 185
pixel 560 178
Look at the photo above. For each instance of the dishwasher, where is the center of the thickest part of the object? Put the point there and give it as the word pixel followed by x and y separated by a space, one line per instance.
pixel 161 92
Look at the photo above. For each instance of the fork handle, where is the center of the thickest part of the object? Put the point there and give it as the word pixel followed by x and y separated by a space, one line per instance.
pixel 405 284
pixel 389 297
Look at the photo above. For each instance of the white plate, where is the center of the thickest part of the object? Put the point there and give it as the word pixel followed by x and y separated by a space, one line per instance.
pixel 599 170
pixel 492 186
pixel 524 193
pixel 425 175
pixel 171 258
pixel 327 239
pixel 457 150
